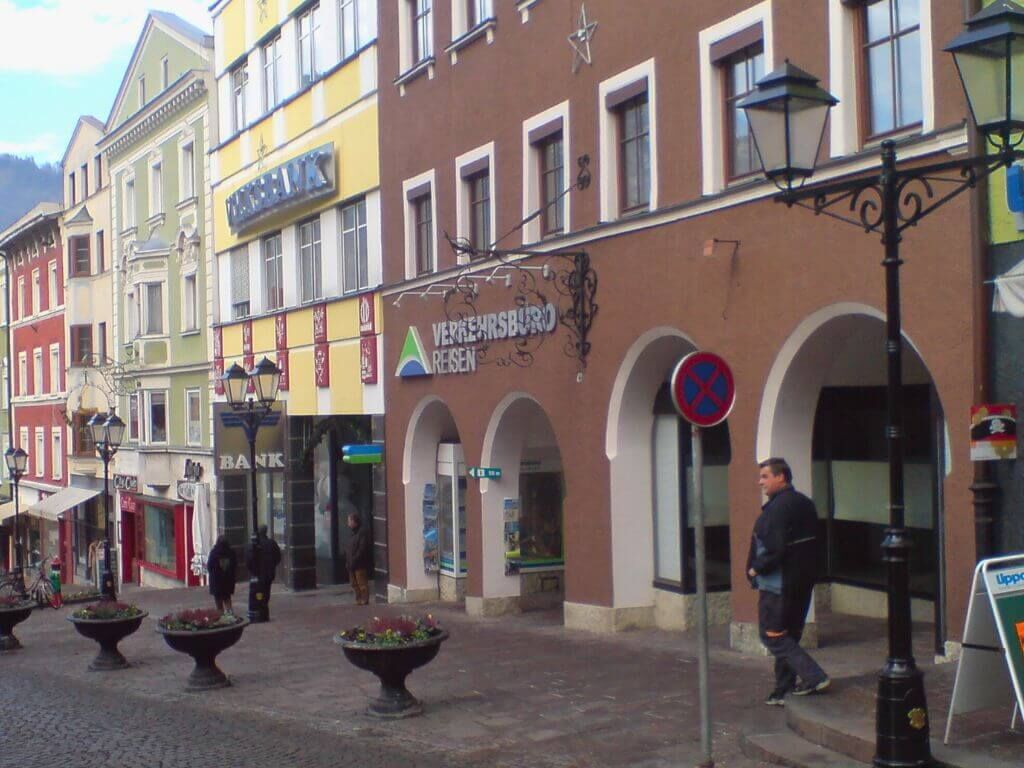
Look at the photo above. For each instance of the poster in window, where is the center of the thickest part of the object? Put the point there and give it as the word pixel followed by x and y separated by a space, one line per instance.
pixel 510 516
pixel 430 539
pixel 993 432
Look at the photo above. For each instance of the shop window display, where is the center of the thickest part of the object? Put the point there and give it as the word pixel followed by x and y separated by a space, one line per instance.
pixel 160 538
pixel 540 517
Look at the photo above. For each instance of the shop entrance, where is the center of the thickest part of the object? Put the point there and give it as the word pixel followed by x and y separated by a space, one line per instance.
pixel 444 521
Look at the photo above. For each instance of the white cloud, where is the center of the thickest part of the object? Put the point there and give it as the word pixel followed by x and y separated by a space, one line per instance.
pixel 46 148
pixel 71 37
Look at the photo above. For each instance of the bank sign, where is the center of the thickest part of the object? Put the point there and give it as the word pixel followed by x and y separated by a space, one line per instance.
pixel 301 179
pixel 455 340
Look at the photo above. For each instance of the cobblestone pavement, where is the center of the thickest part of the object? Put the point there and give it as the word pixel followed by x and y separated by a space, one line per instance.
pixel 508 692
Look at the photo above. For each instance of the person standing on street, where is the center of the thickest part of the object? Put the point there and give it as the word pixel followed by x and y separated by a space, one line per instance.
pixel 783 566
pixel 269 559
pixel 360 558
pixel 220 567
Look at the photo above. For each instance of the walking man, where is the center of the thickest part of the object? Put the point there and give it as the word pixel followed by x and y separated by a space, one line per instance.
pixel 360 558
pixel 782 566
pixel 269 558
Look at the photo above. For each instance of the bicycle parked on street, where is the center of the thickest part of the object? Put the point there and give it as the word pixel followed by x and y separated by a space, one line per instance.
pixel 40 589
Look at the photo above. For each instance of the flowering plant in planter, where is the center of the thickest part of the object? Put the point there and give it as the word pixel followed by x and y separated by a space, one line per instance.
pixel 106 610
pixel 13 601
pixel 198 619
pixel 390 632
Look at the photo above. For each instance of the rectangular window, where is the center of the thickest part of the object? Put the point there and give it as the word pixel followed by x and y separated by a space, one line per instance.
pixel 194 417
pixel 37 304
pixel 55 368
pixel 479 188
pixel 58 453
pixel 52 286
pixel 5 384
pixel 309 44
pixel 634 154
pixel 129 204
pixel 240 282
pixel 165 73
pixel 422 39
pixel 156 189
pixel 142 91
pixel 81 434
pixel 101 262
pixel 189 315
pixel 98 163
pixel 480 11
pixel 81 344
pixel 157 417
pixel 37 372
pixel 239 82
pixel 188 171
pixel 273 272
pixel 272 74
pixel 158 525
pixel 71 189
pixel 892 63
pixel 25 309
pixel 424 234
pixel 309 260
pixel 358 20
pixel 80 261
pixel 133 417
pixel 742 71
pixel 22 373
pixel 85 180
pixel 353 246
pixel 40 457
pixel 132 313
pixel 551 181
pixel 101 343
pixel 154 309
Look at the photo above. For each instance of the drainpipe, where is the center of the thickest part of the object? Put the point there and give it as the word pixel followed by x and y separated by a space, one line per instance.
pixel 10 362
pixel 984 489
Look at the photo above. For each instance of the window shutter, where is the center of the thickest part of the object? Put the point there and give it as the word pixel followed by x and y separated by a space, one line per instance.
pixel 239 275
pixel 723 49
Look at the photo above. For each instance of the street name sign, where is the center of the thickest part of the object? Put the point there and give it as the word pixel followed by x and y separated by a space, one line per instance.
pixel 485 473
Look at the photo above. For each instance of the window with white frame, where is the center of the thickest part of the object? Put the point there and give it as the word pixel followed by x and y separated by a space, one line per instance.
pixel 165 73
pixel 742 67
pixel 129 203
pixel 310 288
pixel 423 232
pixel 55 369
pixel 23 308
pixel 57 452
pixel 38 385
pixel 22 374
pixel 422 30
pixel 240 306
pixel 193 416
pixel 131 311
pixel 23 441
pixel 358 24
pixel 354 247
pixel 156 189
pixel 309 46
pixel 273 272
pixel 239 83
pixel 187 171
pixel 190 304
pixel 156 417
pixel 480 11
pixel 134 425
pixel 551 177
pixel 473 195
pixel 152 309
pixel 272 63
pixel 37 305
pixel 40 462
pixel 5 384
pixel 142 91
pixel 628 146
pixel 892 64
pixel 51 272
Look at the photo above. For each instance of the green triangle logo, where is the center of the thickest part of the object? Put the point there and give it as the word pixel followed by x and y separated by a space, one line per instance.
pixel 413 359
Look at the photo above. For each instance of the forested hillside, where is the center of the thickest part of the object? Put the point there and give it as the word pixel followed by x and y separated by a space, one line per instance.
pixel 23 184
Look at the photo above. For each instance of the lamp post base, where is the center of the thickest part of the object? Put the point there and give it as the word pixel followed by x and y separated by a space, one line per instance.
pixel 902 732
pixel 259 605
pixel 107 585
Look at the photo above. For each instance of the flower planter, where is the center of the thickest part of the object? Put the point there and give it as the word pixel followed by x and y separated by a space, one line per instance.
pixel 391 665
pixel 9 617
pixel 108 633
pixel 203 645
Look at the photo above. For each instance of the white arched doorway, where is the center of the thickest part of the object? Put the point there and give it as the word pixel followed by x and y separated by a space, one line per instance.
pixel 824 411
pixel 523 546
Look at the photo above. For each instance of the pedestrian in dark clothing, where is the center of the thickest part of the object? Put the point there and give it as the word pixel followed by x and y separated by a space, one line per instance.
pixel 262 561
pixel 220 569
pixel 783 566
pixel 360 558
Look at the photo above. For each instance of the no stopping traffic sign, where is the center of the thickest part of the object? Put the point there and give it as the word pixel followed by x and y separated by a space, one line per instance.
pixel 703 389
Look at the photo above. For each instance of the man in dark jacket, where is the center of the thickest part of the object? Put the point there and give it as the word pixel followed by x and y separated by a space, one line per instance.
pixel 783 566
pixel 262 559
pixel 360 558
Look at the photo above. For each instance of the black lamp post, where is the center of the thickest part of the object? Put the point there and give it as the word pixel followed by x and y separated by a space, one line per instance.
pixel 107 435
pixel 17 464
pixel 787 115
pixel 265 379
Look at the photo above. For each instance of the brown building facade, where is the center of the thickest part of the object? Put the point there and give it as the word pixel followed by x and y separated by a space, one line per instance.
pixel 609 218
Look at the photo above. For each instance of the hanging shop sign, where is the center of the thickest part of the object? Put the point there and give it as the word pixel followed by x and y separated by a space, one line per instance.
pixel 127 483
pixel 306 177
pixel 453 339
pixel 993 432
pixel 368 453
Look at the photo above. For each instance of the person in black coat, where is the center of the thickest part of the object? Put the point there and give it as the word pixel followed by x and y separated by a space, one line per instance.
pixel 360 558
pixel 264 572
pixel 783 565
pixel 220 567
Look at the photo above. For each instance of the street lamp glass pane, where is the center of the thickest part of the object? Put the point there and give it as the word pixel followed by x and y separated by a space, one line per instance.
pixel 97 425
pixel 115 430
pixel 983 71
pixel 806 128
pixel 769 128
pixel 20 461
pixel 236 381
pixel 9 458
pixel 266 378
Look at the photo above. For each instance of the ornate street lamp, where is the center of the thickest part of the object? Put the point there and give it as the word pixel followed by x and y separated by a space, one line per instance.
pixel 17 465
pixel 107 435
pixel 265 378
pixel 787 117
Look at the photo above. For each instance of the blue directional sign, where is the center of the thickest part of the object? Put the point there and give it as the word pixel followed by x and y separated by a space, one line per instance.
pixel 485 473
pixel 368 453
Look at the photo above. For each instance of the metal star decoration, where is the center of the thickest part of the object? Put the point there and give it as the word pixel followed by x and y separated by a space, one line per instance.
pixel 262 9
pixel 261 153
pixel 580 40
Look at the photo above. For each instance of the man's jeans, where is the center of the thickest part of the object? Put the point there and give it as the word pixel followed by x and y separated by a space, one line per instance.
pixel 781 623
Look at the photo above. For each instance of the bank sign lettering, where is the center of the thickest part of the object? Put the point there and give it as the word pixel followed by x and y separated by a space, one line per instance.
pixel 303 178
pixel 263 461
pixel 453 353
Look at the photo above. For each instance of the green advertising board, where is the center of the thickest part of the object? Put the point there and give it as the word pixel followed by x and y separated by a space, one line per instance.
pixel 1006 590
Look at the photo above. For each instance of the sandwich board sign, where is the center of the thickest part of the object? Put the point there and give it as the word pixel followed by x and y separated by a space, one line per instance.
pixel 990 672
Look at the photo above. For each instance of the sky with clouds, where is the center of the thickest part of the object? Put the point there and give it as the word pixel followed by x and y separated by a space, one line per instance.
pixel 60 59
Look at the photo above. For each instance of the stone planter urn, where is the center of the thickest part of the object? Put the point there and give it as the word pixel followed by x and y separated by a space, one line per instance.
pixel 10 616
pixel 108 633
pixel 204 645
pixel 391 665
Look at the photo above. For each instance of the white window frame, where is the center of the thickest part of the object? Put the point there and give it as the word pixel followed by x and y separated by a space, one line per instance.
pixel 463 197
pixel 51 273
pixel 37 304
pixel 141 84
pixel 189 394
pixel 156 187
pixel 608 138
pixel 186 170
pixel 165 73
pixel 844 56
pixel 55 368
pixel 532 197
pixel 714 175
pixel 135 435
pixel 361 10
pixel 238 78
pixel 408 209
pixel 189 302
pixel 37 371
pixel 315 45
pixel 407 36
pixel 21 298
pixel 23 374
pixel 462 21
pixel 57 450
pixel 362 280
pixel 23 443
pixel 129 202
pixel 273 55
pixel 317 292
pixel 149 417
pixel 4 399
pixel 264 271
pixel 144 327
pixel 40 463
pixel 240 255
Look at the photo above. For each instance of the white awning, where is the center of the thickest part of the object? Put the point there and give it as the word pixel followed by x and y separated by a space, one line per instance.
pixel 52 506
pixel 1009 293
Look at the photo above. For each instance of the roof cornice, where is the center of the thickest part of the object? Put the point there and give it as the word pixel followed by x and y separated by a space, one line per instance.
pixel 191 88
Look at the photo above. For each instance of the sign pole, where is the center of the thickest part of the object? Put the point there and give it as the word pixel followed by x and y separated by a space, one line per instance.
pixel 704 660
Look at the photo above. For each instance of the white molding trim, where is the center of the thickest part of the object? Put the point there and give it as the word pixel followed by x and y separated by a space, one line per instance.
pixel 463 216
pixel 430 177
pixel 531 170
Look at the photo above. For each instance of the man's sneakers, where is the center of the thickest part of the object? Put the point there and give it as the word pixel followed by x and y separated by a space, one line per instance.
pixel 776 699
pixel 806 689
